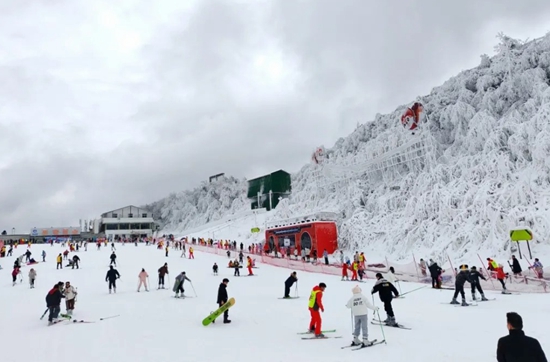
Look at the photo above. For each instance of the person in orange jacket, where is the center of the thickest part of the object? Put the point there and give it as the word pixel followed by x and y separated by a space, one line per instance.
pixel 345 271
pixel 316 304
pixel 354 268
pixel 249 265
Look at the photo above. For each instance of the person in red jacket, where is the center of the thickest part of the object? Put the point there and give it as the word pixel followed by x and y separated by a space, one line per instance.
pixel 501 275
pixel 249 265
pixel 316 304
pixel 345 271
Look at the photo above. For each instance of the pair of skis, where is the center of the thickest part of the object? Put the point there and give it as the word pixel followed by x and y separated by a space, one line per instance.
pixel 358 347
pixel 325 337
pixel 380 323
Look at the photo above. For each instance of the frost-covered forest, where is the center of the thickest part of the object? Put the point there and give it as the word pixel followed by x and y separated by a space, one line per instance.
pixel 483 167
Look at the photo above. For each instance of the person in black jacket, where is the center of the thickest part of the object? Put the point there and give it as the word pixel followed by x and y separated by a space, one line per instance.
pixel 113 258
pixel 516 267
pixel 53 302
pixel 517 347
pixel 386 291
pixel 435 270
pixel 289 282
pixel 76 261
pixel 474 277
pixel 462 277
pixel 111 277
pixel 222 298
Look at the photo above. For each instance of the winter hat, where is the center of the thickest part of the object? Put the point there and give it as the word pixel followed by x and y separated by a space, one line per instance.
pixel 356 290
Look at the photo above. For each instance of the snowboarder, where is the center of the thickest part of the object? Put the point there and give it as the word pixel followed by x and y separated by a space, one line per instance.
pixel 178 284
pixel 53 302
pixel 143 279
pixel 289 282
pixel 70 297
pixel 462 277
pixel 163 270
pixel 386 291
pixel 76 262
pixel 474 279
pixel 316 304
pixel 113 258
pixel 360 306
pixel 215 269
pixel 517 346
pixel 32 277
pixel 111 277
pixel 223 298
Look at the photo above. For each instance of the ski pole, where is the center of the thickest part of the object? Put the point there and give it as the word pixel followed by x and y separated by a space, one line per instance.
pixel 193 289
pixel 296 290
pixel 414 290
pixel 399 286
pixel 382 329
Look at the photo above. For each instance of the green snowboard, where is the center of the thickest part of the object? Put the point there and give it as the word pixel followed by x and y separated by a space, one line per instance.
pixel 206 321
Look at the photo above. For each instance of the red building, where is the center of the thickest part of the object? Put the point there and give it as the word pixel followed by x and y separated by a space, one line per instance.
pixel 318 232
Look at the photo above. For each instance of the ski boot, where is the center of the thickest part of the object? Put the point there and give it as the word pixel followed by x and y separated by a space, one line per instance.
pixel 464 304
pixel 473 297
pixel 483 299
pixel 391 322
pixel 386 320
pixel 454 301
pixel 320 335
pixel 226 321
pixel 356 341
pixel 366 343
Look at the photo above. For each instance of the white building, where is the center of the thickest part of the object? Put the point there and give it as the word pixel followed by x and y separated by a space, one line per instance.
pixel 128 221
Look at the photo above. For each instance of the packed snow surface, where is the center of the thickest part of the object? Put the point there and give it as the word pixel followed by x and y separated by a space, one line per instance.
pixel 484 169
pixel 154 326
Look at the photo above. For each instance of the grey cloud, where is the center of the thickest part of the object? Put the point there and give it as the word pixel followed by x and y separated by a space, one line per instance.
pixel 86 131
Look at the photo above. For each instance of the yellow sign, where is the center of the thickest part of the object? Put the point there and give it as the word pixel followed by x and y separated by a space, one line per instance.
pixel 255 230
pixel 521 235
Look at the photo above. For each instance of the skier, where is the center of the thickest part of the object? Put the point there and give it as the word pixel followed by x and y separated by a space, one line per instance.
pixel 474 279
pixel 236 266
pixel 386 291
pixel 143 279
pixel 223 298
pixel 422 266
pixel 345 271
pixel 113 246
pixel 53 302
pixel 163 270
pixel 249 265
pixel 435 271
pixel 59 261
pixel 113 258
pixel 76 261
pixel 191 251
pixel 316 304
pixel 215 269
pixel 360 306
pixel 111 277
pixel 32 277
pixel 16 271
pixel 43 256
pixel 70 297
pixel 501 275
pixel 166 250
pixel 461 278
pixel 539 269
pixel 289 282
pixel 178 284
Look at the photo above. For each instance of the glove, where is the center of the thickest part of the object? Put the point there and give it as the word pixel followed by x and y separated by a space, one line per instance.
pixel 323 310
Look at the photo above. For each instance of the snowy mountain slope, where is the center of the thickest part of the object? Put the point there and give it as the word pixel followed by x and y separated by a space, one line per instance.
pixel 487 169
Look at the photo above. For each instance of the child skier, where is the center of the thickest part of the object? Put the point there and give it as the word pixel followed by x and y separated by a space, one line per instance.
pixel 360 306
pixel 474 277
pixel 501 275
pixel 16 271
pixel 32 277
pixel 70 297
pixel 215 269
pixel 163 270
pixel 249 265
pixel 345 271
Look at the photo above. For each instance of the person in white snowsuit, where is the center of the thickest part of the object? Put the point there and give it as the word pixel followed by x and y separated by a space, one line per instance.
pixel 32 277
pixel 70 297
pixel 360 306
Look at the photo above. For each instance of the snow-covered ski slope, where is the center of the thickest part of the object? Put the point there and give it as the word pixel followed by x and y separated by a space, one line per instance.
pixel 484 169
pixel 154 326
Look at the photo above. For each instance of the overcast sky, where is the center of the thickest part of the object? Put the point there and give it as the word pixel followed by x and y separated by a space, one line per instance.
pixel 109 103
